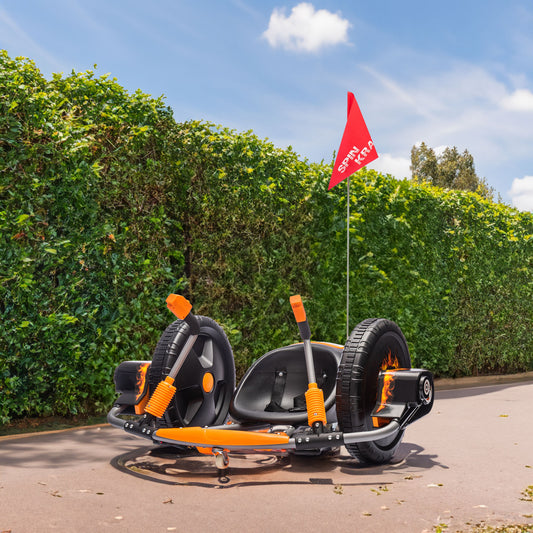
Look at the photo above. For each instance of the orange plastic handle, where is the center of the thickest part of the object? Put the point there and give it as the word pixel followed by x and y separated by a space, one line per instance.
pixel 179 305
pixel 298 308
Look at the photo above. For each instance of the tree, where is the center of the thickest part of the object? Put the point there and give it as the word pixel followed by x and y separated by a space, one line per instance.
pixel 450 170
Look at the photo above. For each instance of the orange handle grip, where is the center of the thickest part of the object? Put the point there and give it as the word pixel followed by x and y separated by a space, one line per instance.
pixel 314 400
pixel 298 308
pixel 179 305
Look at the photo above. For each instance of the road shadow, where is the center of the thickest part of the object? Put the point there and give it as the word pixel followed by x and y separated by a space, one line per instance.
pixel 64 449
pixel 173 466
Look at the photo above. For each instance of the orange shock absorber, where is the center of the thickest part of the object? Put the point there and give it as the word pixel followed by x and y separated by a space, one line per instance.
pixel 161 397
pixel 314 397
pixel 314 400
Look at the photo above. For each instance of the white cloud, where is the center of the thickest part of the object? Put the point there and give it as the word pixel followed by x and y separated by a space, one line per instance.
pixel 459 105
pixel 439 150
pixel 399 167
pixel 519 100
pixel 522 193
pixel 306 29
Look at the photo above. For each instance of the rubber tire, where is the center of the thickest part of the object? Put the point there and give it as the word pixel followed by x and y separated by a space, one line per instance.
pixel 357 381
pixel 191 404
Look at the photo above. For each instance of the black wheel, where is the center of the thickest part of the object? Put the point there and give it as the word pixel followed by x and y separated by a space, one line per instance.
pixel 374 344
pixel 205 382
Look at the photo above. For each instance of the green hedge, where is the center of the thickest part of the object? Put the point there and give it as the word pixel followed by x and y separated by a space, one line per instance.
pixel 90 238
pixel 247 229
pixel 107 205
pixel 455 271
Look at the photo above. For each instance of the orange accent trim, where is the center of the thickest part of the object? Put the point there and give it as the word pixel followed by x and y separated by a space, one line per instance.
pixel 322 343
pixel 222 437
pixel 388 364
pixel 208 382
pixel 179 305
pixel 141 406
pixel 378 422
pixel 387 389
pixel 298 308
pixel 314 400
pixel 205 451
pixel 141 389
pixel 330 344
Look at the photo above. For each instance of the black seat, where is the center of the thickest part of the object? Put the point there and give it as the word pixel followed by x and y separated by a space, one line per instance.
pixel 273 388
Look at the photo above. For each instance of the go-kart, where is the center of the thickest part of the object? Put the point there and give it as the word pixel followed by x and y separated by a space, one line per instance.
pixel 306 398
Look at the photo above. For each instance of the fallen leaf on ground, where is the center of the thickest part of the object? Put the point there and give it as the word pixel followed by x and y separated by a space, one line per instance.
pixel 380 489
pixel 528 494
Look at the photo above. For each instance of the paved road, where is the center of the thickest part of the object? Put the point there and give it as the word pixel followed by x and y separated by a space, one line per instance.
pixel 466 463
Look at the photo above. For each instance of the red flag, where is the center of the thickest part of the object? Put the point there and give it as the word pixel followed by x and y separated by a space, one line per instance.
pixel 357 148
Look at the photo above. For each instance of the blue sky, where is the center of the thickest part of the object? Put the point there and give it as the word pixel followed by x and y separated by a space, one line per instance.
pixel 455 73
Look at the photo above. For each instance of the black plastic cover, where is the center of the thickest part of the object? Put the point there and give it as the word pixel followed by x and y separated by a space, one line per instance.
pixel 407 386
pixel 130 381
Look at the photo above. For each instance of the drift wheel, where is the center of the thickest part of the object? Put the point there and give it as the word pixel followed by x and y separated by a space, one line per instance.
pixel 374 344
pixel 205 382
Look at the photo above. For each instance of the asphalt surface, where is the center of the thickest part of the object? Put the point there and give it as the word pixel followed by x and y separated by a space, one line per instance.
pixel 469 462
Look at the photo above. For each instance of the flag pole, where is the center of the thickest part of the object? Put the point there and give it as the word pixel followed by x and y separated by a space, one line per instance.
pixel 356 151
pixel 347 257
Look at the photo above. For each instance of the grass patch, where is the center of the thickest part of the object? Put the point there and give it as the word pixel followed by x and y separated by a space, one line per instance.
pixel 512 528
pixel 50 423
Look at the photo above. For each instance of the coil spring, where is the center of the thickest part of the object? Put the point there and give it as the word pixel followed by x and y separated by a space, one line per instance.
pixel 314 400
pixel 161 398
